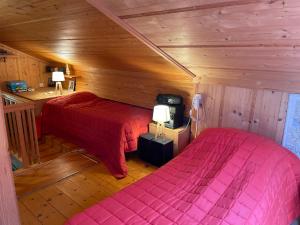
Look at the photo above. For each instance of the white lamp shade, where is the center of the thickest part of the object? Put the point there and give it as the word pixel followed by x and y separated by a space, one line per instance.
pixel 161 113
pixel 58 76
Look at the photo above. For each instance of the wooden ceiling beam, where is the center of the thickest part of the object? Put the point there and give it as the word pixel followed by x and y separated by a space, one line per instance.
pixel 193 8
pixel 233 46
pixel 100 6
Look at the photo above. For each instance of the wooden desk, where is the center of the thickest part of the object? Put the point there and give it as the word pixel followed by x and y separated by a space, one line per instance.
pixel 40 96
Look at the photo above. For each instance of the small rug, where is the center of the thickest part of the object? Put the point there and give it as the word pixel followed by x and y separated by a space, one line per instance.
pixel 45 174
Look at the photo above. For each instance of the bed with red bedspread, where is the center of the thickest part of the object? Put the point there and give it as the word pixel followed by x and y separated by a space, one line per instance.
pixel 225 176
pixel 105 128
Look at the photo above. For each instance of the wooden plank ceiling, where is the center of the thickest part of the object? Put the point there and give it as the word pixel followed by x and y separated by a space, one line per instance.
pixel 73 31
pixel 249 43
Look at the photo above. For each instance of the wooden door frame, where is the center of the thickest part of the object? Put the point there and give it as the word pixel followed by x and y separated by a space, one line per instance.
pixel 9 214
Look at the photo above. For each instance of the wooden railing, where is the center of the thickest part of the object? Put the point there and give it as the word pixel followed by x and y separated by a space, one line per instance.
pixel 21 128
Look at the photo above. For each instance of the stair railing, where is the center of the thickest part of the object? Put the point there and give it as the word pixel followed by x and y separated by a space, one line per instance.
pixel 21 128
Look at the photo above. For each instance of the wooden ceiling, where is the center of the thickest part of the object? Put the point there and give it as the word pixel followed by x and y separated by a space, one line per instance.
pixel 75 32
pixel 252 43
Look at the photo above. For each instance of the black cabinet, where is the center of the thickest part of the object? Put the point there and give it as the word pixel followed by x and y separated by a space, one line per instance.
pixel 155 151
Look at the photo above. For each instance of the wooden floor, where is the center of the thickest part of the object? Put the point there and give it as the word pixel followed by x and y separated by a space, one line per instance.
pixel 53 204
pixel 45 174
pixel 52 147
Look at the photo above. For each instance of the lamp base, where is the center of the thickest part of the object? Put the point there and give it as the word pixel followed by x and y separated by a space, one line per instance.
pixel 159 130
pixel 58 86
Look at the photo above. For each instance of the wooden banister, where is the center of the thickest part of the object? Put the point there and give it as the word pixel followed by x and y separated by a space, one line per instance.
pixel 21 128
pixel 9 214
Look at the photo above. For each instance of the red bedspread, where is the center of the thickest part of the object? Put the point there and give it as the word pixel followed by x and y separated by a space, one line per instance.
pixel 104 128
pixel 225 176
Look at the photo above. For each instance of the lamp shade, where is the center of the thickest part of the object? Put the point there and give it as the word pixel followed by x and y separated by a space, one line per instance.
pixel 161 113
pixel 58 76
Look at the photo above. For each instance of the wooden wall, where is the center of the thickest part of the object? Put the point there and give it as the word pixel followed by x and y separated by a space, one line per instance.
pixel 134 88
pixel 20 66
pixel 256 110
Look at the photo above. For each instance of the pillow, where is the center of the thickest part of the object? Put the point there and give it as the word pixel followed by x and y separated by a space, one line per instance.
pixel 74 98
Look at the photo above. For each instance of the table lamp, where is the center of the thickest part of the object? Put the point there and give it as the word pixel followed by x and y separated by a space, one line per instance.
pixel 161 114
pixel 58 77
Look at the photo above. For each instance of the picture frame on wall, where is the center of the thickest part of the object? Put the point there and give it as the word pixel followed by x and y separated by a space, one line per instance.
pixel 71 86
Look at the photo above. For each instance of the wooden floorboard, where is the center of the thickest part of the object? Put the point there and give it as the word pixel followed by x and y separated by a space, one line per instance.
pixel 27 217
pixel 61 202
pixel 56 202
pixel 51 172
pixel 42 210
pixel 52 147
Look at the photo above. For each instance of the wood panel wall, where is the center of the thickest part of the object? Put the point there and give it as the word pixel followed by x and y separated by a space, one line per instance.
pixel 134 88
pixel 256 110
pixel 20 66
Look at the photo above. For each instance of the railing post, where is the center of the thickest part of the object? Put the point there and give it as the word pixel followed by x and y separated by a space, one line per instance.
pixel 24 153
pixel 37 151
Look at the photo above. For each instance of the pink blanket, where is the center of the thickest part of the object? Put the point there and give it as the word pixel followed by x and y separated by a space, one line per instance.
pixel 104 128
pixel 225 176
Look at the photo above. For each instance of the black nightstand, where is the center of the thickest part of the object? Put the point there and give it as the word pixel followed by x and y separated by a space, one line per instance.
pixel 155 151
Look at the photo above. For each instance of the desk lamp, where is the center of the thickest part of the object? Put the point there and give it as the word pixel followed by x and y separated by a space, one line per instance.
pixel 58 77
pixel 161 114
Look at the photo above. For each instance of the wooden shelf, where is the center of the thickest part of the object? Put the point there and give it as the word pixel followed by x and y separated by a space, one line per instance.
pixel 71 76
pixel 8 56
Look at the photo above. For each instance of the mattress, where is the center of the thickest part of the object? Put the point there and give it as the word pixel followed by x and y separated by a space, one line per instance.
pixel 106 129
pixel 225 176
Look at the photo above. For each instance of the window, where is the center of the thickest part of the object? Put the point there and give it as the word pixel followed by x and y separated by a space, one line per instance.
pixel 291 138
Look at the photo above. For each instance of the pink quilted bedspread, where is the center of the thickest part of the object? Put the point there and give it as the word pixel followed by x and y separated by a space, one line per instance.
pixel 104 128
pixel 225 176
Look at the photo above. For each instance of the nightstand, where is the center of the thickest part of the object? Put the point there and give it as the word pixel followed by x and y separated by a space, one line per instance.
pixel 180 136
pixel 155 151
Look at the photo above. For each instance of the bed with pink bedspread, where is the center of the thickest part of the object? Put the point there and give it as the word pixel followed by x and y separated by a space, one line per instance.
pixel 225 176
pixel 105 128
